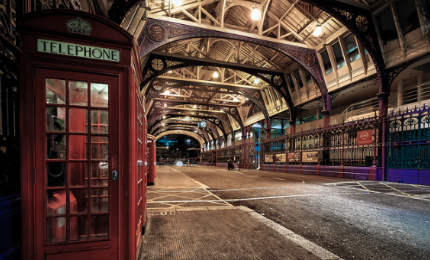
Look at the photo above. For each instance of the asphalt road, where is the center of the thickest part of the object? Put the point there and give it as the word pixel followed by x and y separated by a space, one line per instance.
pixel 354 220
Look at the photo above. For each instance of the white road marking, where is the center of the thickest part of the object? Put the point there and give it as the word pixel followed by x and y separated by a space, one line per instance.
pixel 245 199
pixel 290 235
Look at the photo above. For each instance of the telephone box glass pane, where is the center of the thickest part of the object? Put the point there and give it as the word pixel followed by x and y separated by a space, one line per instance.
pixel 56 202
pixel 99 94
pixel 78 120
pixel 78 147
pixel 99 121
pixel 99 148
pixel 55 230
pixel 55 174
pixel 78 93
pixel 55 146
pixel 78 228
pixel 55 91
pixel 55 119
pixel 78 201
pixel 99 226
pixel 100 174
pixel 78 174
pixel 99 200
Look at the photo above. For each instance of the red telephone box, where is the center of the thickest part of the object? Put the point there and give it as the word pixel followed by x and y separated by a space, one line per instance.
pixel 83 137
pixel 151 158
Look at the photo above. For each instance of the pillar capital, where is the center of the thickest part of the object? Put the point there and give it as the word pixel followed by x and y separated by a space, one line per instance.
pixel 382 95
pixel 325 112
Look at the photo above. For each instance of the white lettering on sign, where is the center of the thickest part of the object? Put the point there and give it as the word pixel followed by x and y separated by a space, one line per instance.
pixel 77 50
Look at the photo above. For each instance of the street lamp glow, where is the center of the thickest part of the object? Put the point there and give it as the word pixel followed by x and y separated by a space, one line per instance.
pixel 215 75
pixel 255 15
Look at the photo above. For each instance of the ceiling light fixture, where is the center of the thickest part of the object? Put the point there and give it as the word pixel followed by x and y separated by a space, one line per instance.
pixel 164 117
pixel 187 118
pixel 177 3
pixel 318 30
pixel 195 106
pixel 222 110
pixel 235 99
pixel 169 71
pixel 163 124
pixel 255 15
pixel 215 75
pixel 166 92
pixel 256 81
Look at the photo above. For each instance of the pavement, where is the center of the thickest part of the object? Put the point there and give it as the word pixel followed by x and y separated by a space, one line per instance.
pixel 188 221
pixel 353 219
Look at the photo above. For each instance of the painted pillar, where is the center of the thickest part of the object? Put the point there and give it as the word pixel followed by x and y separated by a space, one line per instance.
pixel 292 127
pixel 268 128
pixel 400 92
pixel 244 154
pixel 383 110
pixel 282 127
pixel 420 81
pixel 250 159
pixel 318 112
pixel 340 170
pixel 326 118
pixel 262 144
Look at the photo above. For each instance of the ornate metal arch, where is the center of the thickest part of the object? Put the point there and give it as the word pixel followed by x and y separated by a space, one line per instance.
pixel 198 137
pixel 156 33
pixel 191 129
pixel 231 110
pixel 155 114
pixel 160 63
pixel 159 85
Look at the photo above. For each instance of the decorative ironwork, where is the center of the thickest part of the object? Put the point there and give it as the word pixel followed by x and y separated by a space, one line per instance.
pixel 156 33
pixel 362 23
pixel 277 80
pixel 408 135
pixel 174 32
pixel 157 64
pixel 60 4
pixel 309 59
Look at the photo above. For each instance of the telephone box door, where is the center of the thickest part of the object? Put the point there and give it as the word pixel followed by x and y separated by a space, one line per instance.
pixel 77 174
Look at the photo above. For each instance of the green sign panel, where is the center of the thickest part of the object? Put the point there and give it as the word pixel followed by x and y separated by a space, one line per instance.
pixel 77 50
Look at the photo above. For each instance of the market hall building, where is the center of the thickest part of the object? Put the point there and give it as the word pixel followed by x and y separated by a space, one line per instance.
pixel 329 88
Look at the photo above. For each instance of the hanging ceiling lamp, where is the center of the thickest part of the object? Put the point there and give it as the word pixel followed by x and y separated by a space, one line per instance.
pixel 215 75
pixel 318 30
pixel 255 15
pixel 177 3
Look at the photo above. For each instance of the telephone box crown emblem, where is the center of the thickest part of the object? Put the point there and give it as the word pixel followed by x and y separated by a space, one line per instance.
pixel 79 26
